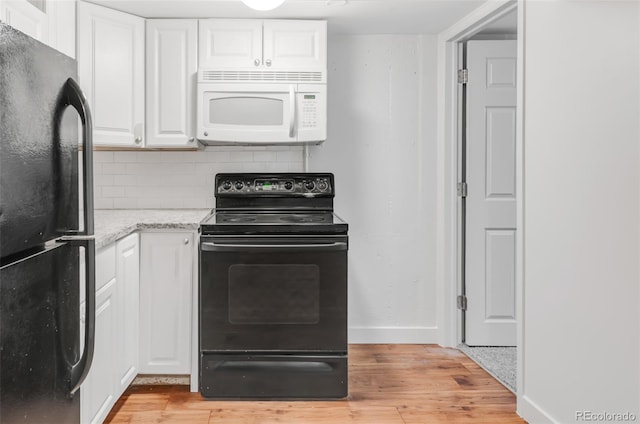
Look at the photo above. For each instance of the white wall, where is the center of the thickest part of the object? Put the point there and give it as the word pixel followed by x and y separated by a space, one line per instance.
pixel 381 148
pixel 167 180
pixel 581 210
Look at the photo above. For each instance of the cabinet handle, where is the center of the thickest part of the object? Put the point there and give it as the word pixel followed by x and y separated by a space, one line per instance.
pixel 186 241
pixel 256 62
pixel 268 62
pixel 138 140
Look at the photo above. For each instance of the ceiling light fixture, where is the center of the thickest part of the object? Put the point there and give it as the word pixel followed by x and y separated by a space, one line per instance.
pixel 263 4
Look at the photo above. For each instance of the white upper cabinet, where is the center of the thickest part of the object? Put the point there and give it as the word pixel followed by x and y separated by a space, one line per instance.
pixel 263 44
pixel 25 17
pixel 295 44
pixel 230 43
pixel 54 24
pixel 61 16
pixel 111 70
pixel 172 65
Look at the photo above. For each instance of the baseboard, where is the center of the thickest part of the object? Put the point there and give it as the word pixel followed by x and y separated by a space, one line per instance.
pixel 394 335
pixel 531 412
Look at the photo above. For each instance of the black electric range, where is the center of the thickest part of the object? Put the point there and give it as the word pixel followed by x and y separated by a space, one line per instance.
pixel 273 289
pixel 274 203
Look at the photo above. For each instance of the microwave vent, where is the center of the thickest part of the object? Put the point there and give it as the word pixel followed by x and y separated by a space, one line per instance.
pixel 261 76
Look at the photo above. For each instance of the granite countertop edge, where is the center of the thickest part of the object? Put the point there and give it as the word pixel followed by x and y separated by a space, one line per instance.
pixel 114 224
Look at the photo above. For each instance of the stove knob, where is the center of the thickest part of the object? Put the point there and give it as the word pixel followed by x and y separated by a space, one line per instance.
pixel 309 185
pixel 239 185
pixel 323 185
pixel 288 185
pixel 226 185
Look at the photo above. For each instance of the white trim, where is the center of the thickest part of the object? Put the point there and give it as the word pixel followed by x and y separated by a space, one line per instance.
pixel 392 335
pixel 447 236
pixel 520 218
pixel 532 412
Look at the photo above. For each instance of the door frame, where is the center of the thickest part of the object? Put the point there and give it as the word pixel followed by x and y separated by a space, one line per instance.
pixel 449 218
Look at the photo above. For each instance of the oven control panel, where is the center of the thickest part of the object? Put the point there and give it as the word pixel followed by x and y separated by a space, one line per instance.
pixel 274 184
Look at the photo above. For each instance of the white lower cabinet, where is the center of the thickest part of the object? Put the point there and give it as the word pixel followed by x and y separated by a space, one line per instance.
pixel 127 272
pixel 166 299
pixel 144 315
pixel 97 394
pixel 115 356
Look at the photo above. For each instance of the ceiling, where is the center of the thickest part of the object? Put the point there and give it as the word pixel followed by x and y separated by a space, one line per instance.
pixel 343 16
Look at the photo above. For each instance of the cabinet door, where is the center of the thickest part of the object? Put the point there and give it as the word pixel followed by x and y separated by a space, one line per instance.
pixel 230 43
pixel 97 393
pixel 111 69
pixel 128 286
pixel 171 74
pixel 61 16
pixel 25 17
pixel 295 44
pixel 166 272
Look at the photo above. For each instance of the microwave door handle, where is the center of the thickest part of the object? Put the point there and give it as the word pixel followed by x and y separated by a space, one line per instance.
pixel 292 111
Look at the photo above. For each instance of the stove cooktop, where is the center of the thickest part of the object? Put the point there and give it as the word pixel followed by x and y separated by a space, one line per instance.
pixel 284 203
pixel 226 222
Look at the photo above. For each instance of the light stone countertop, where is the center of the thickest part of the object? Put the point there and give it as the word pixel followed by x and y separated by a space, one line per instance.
pixel 113 224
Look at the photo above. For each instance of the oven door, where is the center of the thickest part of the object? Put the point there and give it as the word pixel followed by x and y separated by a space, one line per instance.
pixel 246 113
pixel 273 294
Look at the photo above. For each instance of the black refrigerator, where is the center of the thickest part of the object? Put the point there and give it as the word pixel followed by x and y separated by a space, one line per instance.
pixel 46 227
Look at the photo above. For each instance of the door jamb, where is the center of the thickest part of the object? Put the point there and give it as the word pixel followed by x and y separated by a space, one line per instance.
pixel 447 216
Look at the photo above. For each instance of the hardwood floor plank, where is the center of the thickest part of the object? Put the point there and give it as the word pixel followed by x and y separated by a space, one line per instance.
pixel 389 384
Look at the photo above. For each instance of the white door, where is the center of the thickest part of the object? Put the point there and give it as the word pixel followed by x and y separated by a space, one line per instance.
pixel 230 43
pixel 111 70
pixel 491 201
pixel 128 305
pixel 172 65
pixel 290 44
pixel 166 273
pixel 25 17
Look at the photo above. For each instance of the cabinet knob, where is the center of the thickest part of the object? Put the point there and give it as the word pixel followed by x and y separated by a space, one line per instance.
pixel 256 62
pixel 138 140
pixel 268 62
pixel 186 241
pixel 191 139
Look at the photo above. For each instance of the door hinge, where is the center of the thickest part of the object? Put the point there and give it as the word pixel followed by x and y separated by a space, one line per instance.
pixel 462 189
pixel 462 302
pixel 463 76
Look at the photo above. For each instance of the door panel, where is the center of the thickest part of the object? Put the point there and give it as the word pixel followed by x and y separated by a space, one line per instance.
pixel 166 266
pixel 491 200
pixel 111 68
pixel 171 67
pixel 230 43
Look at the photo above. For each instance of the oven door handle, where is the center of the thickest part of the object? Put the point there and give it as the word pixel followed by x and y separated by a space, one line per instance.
pixel 319 247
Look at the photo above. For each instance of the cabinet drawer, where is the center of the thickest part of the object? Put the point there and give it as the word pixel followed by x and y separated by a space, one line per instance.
pixel 105 265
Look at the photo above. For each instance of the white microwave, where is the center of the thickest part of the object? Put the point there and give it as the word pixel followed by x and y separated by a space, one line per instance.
pixel 261 112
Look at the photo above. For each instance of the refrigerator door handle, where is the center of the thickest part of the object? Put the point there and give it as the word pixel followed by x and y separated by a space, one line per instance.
pixel 80 369
pixel 72 95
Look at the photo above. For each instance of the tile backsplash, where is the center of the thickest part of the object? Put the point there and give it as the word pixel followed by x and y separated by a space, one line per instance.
pixel 169 180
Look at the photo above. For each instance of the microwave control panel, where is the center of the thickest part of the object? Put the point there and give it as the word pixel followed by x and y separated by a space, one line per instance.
pixel 309 106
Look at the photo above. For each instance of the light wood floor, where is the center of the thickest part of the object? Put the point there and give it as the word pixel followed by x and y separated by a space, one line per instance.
pixel 388 384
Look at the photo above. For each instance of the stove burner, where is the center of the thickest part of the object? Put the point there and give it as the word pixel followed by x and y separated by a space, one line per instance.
pixel 239 219
pixel 303 218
